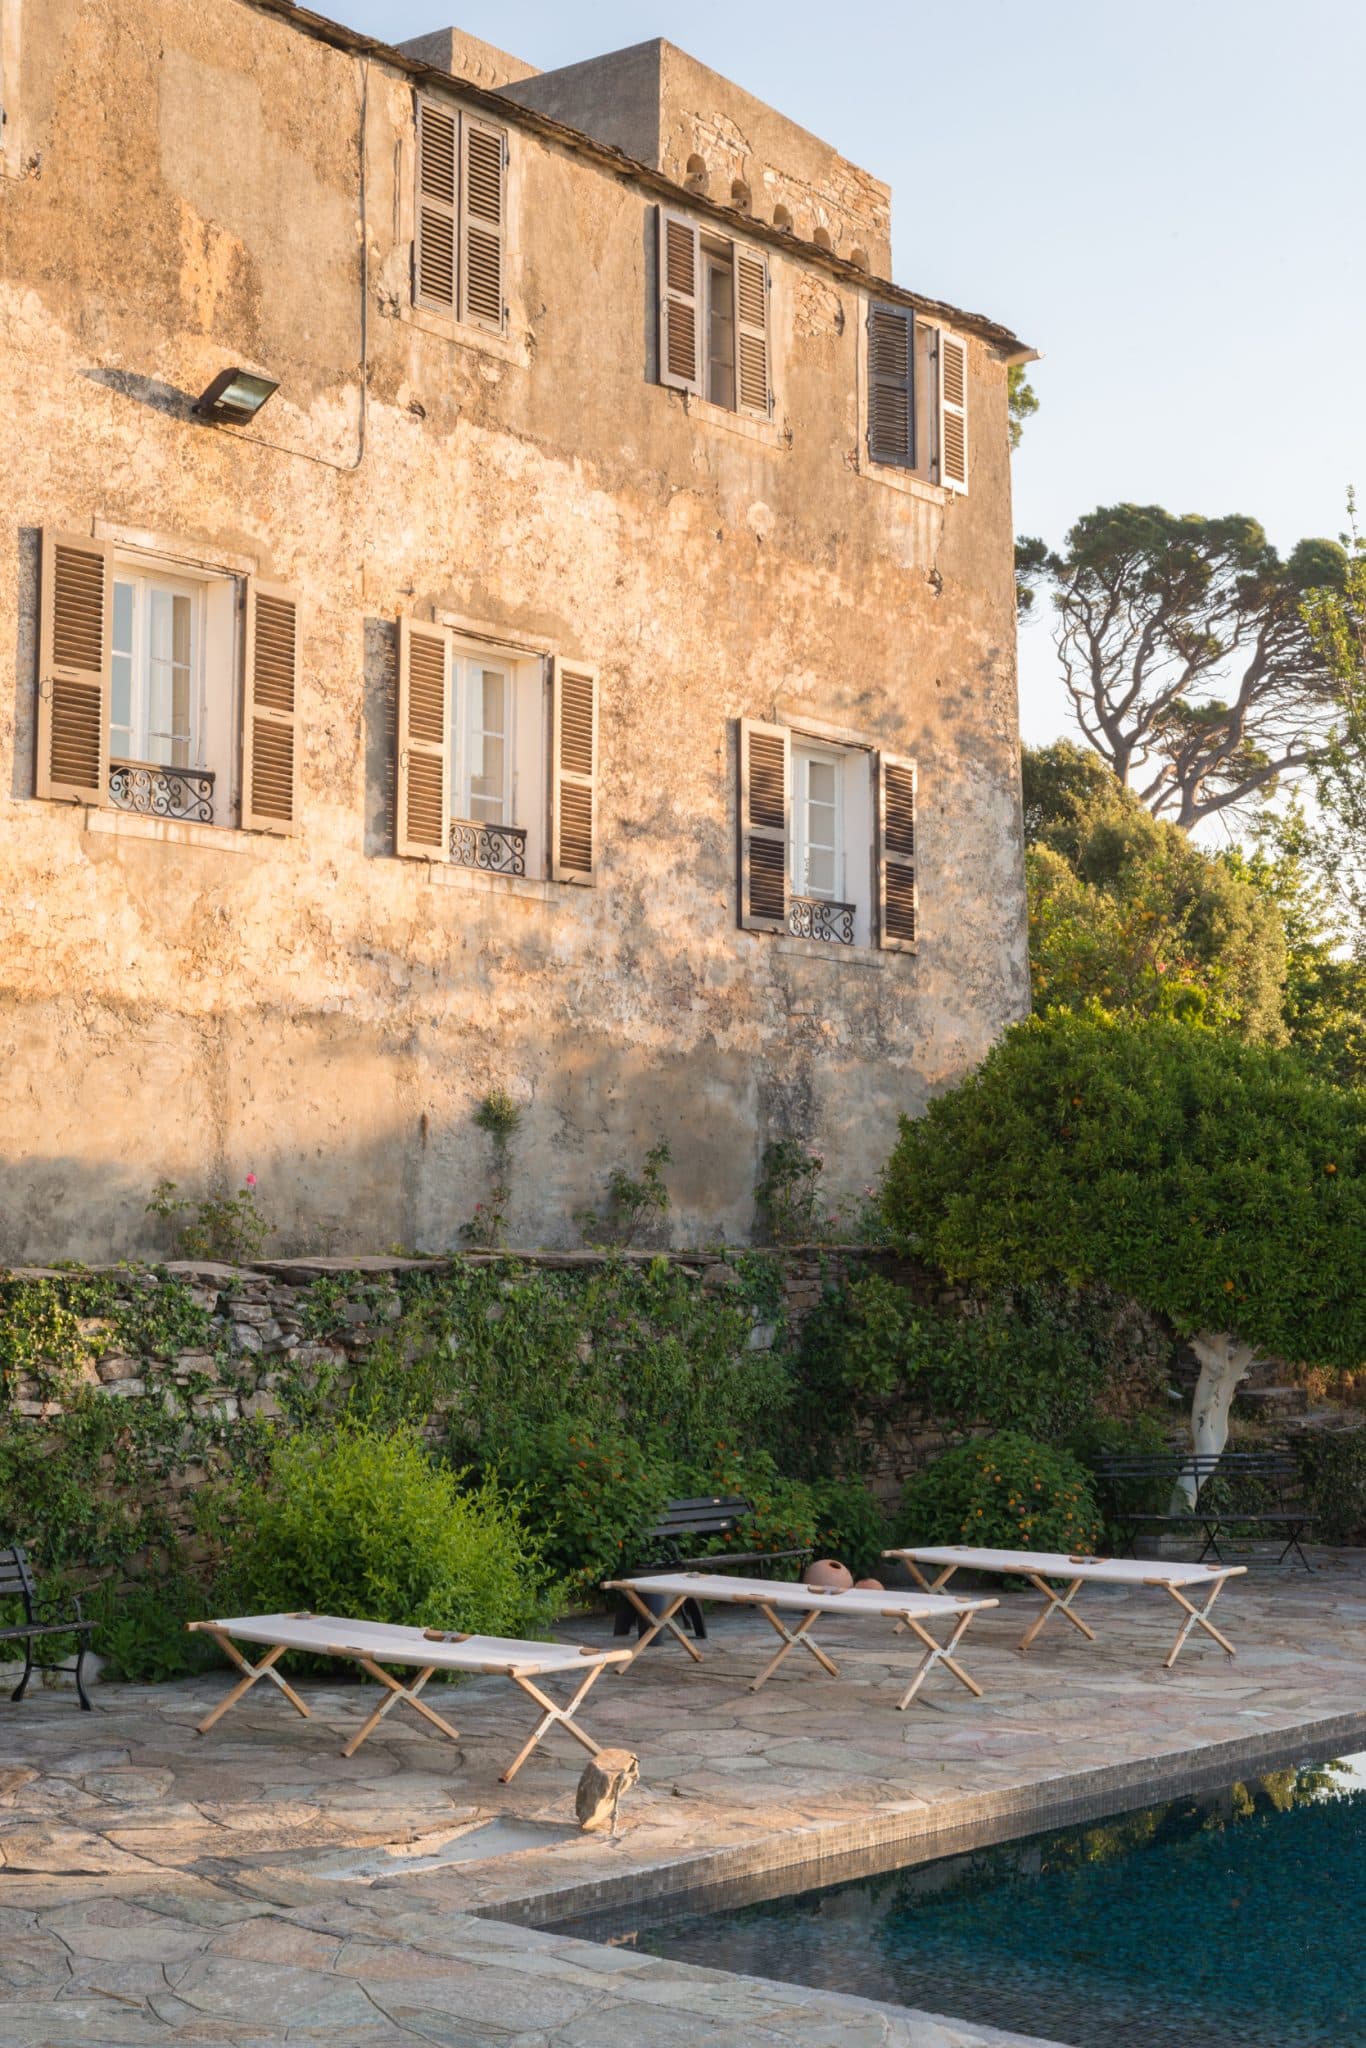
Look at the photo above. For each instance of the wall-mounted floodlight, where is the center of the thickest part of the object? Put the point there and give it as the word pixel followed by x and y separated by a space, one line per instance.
pixel 235 397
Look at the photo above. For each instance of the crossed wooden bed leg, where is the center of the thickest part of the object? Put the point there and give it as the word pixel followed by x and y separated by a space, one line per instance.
pixel 938 1653
pixel 397 1692
pixel 1194 1615
pixel 1054 1603
pixel 791 1638
pixel 553 1714
pixel 656 1623
pixel 265 1669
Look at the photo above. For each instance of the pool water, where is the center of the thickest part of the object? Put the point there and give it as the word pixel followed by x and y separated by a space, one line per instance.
pixel 1233 1920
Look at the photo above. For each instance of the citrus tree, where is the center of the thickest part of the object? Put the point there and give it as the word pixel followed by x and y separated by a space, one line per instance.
pixel 1219 1183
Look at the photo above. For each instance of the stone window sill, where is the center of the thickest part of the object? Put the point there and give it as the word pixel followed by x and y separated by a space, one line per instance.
pixel 532 888
pixel 905 481
pixel 768 433
pixel 131 825
pixel 838 956
pixel 503 348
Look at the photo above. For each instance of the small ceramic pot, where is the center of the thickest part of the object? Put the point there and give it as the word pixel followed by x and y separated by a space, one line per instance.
pixel 827 1575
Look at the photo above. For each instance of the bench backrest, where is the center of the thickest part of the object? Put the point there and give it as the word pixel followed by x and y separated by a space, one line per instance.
pixel 16 1580
pixel 1277 1468
pixel 710 1515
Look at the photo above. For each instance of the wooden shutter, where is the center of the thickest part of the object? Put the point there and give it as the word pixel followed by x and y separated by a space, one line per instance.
pixel 953 411
pixel 751 333
pixel 765 819
pixel 680 303
pixel 270 709
pixel 891 385
pixel 483 190
pixel 435 252
pixel 574 774
pixel 422 800
pixel 74 633
pixel 897 901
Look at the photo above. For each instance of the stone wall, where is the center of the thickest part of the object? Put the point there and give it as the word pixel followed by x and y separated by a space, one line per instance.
pixel 202 183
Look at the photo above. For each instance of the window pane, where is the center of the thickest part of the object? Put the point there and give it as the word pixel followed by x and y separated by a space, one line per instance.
pixel 123 618
pixel 821 782
pixel 495 700
pixel 121 704
pixel 168 677
pixel 720 333
pixel 486 778
pixel 820 870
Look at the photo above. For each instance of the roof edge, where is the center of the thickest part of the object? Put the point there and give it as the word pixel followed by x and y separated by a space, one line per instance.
pixel 340 37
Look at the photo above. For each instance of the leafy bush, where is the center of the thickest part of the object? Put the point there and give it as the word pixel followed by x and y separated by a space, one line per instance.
pixel 591 1494
pixel 141 1634
pixel 1333 1467
pixel 221 1225
pixel 783 1513
pixel 1004 1492
pixel 1140 1436
pixel 787 1193
pixel 850 1525
pixel 363 1524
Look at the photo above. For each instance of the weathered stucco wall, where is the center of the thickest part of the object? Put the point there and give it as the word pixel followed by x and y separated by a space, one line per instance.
pixel 191 1001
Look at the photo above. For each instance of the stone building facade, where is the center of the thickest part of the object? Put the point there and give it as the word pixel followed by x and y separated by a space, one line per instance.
pixel 589 674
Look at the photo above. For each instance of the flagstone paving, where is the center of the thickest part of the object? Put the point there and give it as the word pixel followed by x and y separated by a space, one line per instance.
pixel 252 1886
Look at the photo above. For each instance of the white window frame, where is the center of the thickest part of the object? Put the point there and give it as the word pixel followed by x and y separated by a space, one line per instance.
pixel 216 668
pixel 805 753
pixel 466 661
pixel 717 250
pixel 144 582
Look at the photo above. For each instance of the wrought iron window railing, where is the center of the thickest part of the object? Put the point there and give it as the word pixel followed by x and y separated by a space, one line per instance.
pixel 157 792
pixel 497 849
pixel 811 917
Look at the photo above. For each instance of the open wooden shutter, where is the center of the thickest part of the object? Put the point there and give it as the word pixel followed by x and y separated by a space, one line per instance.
pixel 953 411
pixel 434 257
pixel 891 385
pixel 483 189
pixel 751 333
pixel 422 800
pixel 270 715
pixel 897 901
pixel 680 303
pixel 574 774
pixel 74 635
pixel 765 817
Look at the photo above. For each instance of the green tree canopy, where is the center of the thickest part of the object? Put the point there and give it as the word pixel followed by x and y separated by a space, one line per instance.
pixel 1126 912
pixel 1218 1183
pixel 1192 665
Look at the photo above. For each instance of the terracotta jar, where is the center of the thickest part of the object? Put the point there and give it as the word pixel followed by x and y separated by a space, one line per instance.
pixel 827 1575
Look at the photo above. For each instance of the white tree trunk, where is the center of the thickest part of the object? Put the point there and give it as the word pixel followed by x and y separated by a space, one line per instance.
pixel 1225 1363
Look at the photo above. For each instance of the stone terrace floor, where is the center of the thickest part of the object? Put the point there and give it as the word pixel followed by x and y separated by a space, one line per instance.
pixel 251 1886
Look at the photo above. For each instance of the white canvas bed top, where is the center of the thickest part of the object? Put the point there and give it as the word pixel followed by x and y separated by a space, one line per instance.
pixel 1123 1571
pixel 387 1642
pixel 805 1599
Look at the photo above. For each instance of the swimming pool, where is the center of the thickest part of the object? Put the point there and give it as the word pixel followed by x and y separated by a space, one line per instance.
pixel 1231 1919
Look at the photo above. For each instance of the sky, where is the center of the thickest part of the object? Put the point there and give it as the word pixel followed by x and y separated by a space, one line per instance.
pixel 1164 199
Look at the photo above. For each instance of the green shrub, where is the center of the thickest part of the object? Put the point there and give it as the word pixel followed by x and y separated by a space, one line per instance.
pixel 1004 1492
pixel 1106 1436
pixel 850 1525
pixel 783 1512
pixel 1333 1467
pixel 140 1631
pixel 590 1493
pixel 362 1524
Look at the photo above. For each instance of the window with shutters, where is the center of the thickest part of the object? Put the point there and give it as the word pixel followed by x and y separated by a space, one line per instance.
pixel 916 400
pixel 460 225
pixel 165 689
pixel 714 318
pixel 826 840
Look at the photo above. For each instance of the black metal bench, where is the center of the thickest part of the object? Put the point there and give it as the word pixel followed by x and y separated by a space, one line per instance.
pixel 682 1523
pixel 42 1617
pixel 1219 1478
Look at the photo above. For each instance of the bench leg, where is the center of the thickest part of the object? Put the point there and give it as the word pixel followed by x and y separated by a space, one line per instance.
pixel 654 1623
pixel 1196 1615
pixel 1293 1543
pixel 82 1644
pixel 791 1638
pixel 22 1686
pixel 1055 1603
pixel 397 1692
pixel 938 1653
pixel 552 1715
pixel 265 1669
